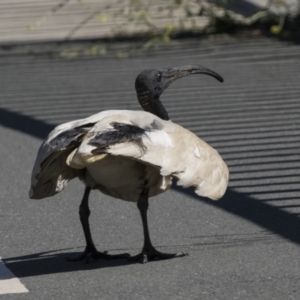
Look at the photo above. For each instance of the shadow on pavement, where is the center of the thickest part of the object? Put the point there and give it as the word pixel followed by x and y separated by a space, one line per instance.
pixel 52 262
pixel 277 222
pixel 267 216
pixel 24 124
pixel 271 218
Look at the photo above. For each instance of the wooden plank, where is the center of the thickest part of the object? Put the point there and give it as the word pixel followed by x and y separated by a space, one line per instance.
pixel 35 21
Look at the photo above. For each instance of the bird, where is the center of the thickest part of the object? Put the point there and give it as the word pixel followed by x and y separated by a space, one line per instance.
pixel 132 156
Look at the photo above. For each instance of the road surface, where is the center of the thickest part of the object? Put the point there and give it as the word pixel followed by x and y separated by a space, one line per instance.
pixel 246 246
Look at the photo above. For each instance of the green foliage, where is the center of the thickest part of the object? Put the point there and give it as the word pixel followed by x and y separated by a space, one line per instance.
pixel 158 21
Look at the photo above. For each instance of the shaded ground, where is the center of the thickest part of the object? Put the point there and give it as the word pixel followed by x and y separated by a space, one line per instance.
pixel 245 246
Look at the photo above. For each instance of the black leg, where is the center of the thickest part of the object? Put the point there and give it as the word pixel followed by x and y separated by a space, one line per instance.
pixel 90 249
pixel 148 251
pixel 84 214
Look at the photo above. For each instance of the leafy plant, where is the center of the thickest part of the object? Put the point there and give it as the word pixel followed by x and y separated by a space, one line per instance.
pixel 158 21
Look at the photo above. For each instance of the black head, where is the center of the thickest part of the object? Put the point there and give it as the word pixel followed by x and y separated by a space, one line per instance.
pixel 150 84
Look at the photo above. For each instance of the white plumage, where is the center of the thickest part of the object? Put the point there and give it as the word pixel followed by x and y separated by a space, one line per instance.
pixel 121 170
pixel 130 155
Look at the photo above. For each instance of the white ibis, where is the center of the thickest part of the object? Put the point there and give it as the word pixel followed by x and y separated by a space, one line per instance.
pixel 130 155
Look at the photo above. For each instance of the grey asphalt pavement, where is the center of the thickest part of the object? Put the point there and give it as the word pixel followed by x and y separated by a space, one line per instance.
pixel 245 246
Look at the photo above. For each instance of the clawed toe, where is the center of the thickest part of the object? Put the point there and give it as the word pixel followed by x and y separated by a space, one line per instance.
pixel 88 254
pixel 150 254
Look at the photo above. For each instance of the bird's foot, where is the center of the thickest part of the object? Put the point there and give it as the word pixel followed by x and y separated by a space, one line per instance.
pixel 90 253
pixel 149 253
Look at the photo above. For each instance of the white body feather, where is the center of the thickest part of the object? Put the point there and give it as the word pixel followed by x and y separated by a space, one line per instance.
pixel 122 170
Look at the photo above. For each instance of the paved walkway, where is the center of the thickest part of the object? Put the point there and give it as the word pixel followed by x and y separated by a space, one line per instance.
pixel 245 246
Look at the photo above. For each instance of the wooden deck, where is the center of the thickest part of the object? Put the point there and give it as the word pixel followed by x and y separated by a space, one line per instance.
pixel 44 20
pixel 26 21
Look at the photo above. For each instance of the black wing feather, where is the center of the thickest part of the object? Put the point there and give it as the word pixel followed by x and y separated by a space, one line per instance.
pixel 71 137
pixel 120 133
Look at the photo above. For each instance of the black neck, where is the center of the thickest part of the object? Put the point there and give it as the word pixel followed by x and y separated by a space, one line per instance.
pixel 152 104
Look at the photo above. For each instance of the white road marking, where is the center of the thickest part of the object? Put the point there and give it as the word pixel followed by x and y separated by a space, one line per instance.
pixel 9 283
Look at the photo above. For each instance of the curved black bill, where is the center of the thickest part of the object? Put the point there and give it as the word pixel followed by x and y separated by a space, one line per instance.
pixel 171 74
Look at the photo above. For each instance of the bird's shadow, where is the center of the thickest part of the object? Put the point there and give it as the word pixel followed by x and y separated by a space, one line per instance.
pixel 54 261
pixel 270 218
